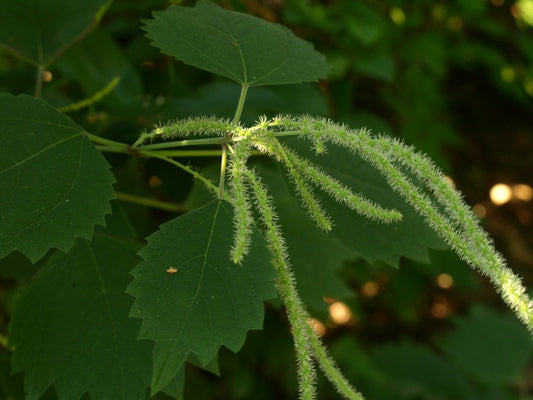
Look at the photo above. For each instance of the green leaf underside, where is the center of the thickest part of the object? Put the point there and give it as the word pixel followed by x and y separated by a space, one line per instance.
pixel 492 346
pixel 71 327
pixel 241 47
pixel 209 302
pixel 38 30
pixel 373 241
pixel 409 366
pixel 54 185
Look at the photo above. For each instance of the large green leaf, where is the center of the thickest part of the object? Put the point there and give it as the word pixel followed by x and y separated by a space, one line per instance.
pixel 413 371
pixel 372 240
pixel 71 326
pixel 238 46
pixel 54 185
pixel 491 346
pixel 208 302
pixel 39 29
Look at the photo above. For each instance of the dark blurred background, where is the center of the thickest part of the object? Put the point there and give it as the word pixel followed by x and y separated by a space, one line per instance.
pixel 453 78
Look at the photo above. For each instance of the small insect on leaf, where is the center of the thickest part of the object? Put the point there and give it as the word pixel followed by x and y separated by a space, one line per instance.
pixel 171 270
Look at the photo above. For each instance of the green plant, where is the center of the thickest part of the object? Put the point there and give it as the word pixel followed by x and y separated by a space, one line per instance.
pixel 204 275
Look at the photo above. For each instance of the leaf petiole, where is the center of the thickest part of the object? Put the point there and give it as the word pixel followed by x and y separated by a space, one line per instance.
pixel 183 143
pixel 161 205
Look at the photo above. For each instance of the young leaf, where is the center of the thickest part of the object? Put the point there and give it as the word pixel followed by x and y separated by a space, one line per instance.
pixel 54 185
pixel 192 298
pixel 241 47
pixel 71 326
pixel 40 30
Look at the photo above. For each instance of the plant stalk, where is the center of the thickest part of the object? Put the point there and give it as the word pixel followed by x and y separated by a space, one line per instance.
pixel 223 163
pixel 161 205
pixel 39 80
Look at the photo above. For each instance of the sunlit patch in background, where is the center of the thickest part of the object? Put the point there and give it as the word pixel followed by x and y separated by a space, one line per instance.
pixel 523 10
pixel 522 192
pixel 370 289
pixel 444 281
pixel 507 74
pixel 450 181
pixel 47 76
pixel 341 314
pixel 500 194
pixel 397 16
pixel 440 308
pixel 319 328
pixel 528 86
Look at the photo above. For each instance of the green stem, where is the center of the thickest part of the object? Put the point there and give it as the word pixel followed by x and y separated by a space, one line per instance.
pixel 93 99
pixel 183 143
pixel 190 153
pixel 161 205
pixel 107 142
pixel 39 80
pixel 223 163
pixel 240 104
pixel 108 149
pixel 184 167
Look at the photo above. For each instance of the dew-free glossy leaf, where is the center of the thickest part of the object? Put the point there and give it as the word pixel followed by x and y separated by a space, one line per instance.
pixel 372 240
pixel 238 46
pixel 411 367
pixel 54 184
pixel 208 302
pixel 71 326
pixel 39 29
pixel 492 346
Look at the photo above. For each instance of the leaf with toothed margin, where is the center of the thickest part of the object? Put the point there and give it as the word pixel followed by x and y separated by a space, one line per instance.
pixel 40 31
pixel 71 326
pixel 191 297
pixel 373 241
pixel 227 43
pixel 54 184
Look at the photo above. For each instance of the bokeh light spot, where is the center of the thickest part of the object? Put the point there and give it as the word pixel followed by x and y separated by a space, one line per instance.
pixel 500 194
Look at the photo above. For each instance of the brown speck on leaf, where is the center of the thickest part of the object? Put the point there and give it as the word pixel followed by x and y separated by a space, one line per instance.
pixel 171 270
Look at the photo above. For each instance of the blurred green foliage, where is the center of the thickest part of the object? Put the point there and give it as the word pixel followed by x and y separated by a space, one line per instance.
pixel 412 69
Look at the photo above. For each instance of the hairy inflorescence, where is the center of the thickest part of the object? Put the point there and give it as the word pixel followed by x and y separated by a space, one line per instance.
pixel 411 174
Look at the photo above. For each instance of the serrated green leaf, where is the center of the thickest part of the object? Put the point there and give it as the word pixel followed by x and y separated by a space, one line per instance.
pixel 238 46
pixel 208 302
pixel 54 185
pixel 492 346
pixel 371 240
pixel 71 326
pixel 39 30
